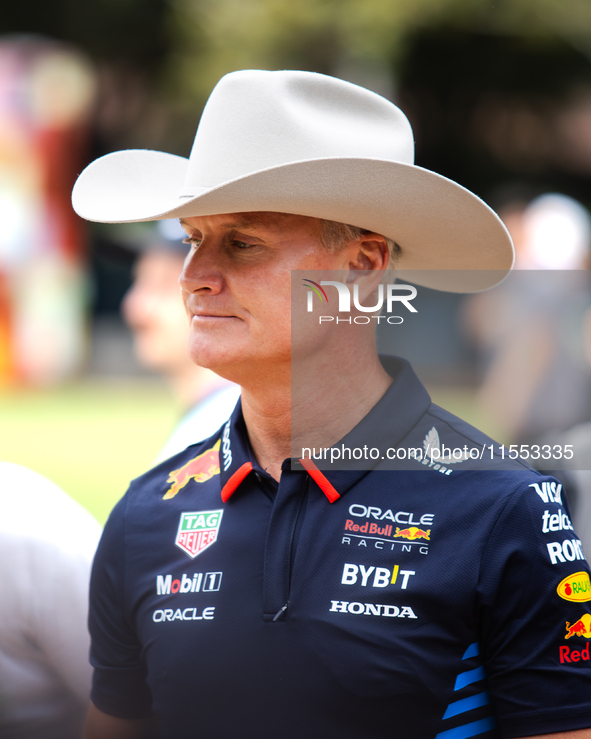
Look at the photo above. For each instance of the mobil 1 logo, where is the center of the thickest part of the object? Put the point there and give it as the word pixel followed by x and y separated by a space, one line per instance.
pixel 208 582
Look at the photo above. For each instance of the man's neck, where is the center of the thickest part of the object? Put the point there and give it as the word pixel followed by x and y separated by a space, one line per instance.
pixel 326 398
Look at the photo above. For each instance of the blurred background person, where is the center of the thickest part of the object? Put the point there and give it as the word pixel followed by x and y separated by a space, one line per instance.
pixel 575 474
pixel 47 92
pixel 154 311
pixel 536 380
pixel 47 542
pixel 555 234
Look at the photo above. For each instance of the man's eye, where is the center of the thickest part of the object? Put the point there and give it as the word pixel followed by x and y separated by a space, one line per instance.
pixel 191 242
pixel 242 244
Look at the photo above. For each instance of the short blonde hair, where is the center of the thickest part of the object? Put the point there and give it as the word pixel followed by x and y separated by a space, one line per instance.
pixel 335 236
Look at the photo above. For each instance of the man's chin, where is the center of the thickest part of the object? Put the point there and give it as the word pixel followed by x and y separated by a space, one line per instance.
pixel 214 358
pixel 240 364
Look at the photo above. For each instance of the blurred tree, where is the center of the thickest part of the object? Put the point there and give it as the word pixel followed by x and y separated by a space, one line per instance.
pixel 216 36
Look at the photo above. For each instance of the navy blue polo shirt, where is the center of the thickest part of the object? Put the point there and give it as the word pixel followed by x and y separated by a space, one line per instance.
pixel 441 602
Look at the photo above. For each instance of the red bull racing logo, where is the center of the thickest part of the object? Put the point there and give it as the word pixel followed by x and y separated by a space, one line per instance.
pixel 413 533
pixel 200 468
pixel 380 534
pixel 197 531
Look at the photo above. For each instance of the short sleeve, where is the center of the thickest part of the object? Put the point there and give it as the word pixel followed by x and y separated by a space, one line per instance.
pixel 533 585
pixel 119 685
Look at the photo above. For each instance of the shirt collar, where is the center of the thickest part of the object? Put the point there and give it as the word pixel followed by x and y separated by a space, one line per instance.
pixel 390 420
pixel 236 461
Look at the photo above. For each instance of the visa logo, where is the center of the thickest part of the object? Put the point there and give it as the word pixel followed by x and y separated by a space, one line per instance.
pixel 549 492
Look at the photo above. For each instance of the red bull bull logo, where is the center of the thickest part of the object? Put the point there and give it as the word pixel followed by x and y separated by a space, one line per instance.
pixel 197 531
pixel 413 533
pixel 200 468
pixel 582 627
pixel 575 587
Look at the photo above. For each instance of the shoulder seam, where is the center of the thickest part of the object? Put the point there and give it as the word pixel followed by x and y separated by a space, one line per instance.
pixel 518 462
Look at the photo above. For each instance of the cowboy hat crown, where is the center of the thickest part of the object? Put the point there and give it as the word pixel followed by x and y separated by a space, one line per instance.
pixel 259 120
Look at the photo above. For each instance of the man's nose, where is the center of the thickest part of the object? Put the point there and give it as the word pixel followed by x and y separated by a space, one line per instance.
pixel 201 271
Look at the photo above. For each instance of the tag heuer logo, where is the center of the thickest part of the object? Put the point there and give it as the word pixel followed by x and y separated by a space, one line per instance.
pixel 197 531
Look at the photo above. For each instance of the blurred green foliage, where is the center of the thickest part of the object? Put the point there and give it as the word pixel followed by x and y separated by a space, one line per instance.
pixel 91 438
pixel 216 36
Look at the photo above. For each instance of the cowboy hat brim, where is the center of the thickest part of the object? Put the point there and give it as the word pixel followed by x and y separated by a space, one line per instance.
pixel 450 239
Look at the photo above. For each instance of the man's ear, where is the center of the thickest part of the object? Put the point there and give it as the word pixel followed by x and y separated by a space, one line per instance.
pixel 369 258
pixel 371 253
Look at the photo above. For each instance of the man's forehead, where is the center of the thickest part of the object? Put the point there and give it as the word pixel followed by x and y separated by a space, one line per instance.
pixel 254 219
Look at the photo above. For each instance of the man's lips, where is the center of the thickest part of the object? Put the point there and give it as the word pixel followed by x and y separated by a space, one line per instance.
pixel 202 317
pixel 208 313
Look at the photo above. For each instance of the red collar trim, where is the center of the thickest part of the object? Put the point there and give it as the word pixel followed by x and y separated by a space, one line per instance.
pixel 242 472
pixel 320 480
pixel 234 481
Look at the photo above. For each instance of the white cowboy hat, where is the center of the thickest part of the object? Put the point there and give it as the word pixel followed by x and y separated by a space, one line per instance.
pixel 305 143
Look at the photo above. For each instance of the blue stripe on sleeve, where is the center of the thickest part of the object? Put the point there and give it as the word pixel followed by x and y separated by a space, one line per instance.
pixel 467 678
pixel 472 651
pixel 468 730
pixel 467 704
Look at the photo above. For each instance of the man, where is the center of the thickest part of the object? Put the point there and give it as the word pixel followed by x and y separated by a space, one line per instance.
pixel 240 593
pixel 154 311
